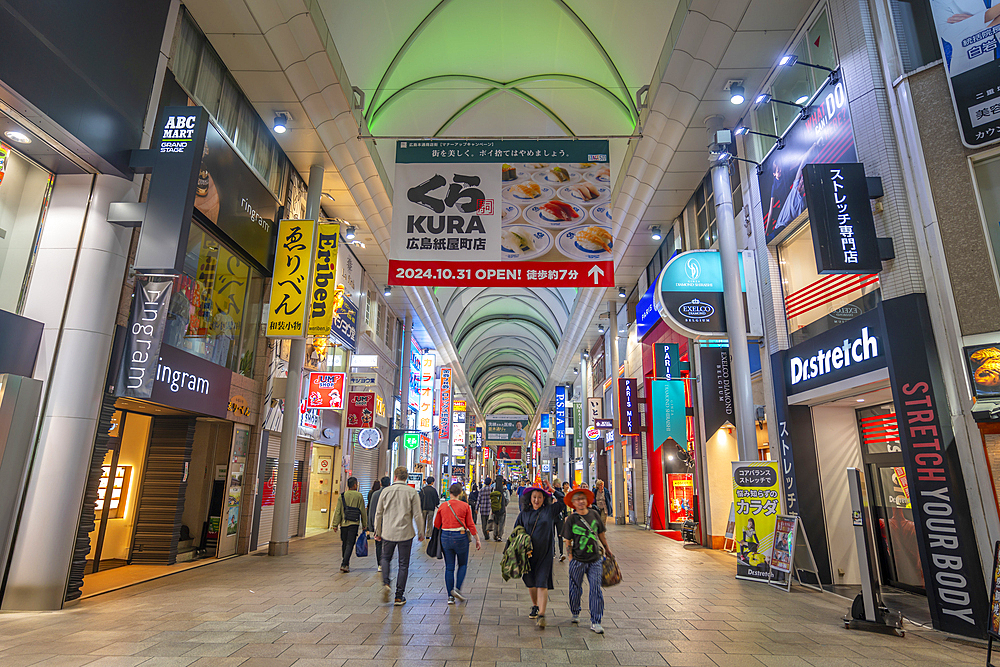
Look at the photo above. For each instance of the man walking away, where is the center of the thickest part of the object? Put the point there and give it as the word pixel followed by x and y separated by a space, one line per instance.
pixel 498 503
pixel 350 515
pixel 372 504
pixel 398 507
pixel 485 506
pixel 474 497
pixel 429 500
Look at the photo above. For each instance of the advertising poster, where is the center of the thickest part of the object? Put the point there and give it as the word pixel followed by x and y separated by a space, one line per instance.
pixel 144 336
pixel 784 543
pixel 968 31
pixel 527 213
pixel 825 137
pixel 669 413
pixel 983 363
pixel 756 497
pixel 507 428
pixel 509 452
pixel 286 315
pixel 680 496
pixel 666 359
pixel 326 391
pixel 361 409
pixel 994 625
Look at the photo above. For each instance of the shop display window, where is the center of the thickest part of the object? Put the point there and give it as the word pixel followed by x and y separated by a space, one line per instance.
pixel 25 189
pixel 815 303
pixel 216 305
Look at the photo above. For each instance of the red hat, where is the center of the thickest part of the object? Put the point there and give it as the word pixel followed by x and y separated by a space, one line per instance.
pixel 587 492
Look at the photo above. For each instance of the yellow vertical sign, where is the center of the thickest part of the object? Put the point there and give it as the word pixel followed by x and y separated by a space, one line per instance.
pixel 286 314
pixel 326 296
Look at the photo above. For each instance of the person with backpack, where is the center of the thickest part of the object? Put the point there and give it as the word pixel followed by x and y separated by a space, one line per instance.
pixel 373 496
pixel 498 505
pixel 538 517
pixel 454 519
pixel 584 535
pixel 485 507
pixel 350 514
pixel 429 501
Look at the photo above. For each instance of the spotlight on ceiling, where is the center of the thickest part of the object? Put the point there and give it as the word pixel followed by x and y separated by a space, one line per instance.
pixel 737 95
pixel 17 136
pixel 350 232
pixel 621 292
pixel 576 371
pixel 280 123
pixel 655 232
pixel 387 291
pixel 586 355
pixel 600 328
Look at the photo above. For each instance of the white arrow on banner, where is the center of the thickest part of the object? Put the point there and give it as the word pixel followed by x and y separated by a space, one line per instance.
pixel 596 272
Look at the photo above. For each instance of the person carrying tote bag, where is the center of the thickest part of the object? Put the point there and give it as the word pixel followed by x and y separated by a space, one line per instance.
pixel 457 527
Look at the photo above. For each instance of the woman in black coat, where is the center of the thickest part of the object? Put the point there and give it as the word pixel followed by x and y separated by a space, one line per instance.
pixel 539 517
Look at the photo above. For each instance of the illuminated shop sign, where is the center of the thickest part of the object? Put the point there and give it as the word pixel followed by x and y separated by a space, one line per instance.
pixel 847 350
pixel 190 383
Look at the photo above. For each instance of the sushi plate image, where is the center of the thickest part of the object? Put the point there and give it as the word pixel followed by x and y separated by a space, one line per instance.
pixel 586 242
pixel 557 175
pixel 520 242
pixel 555 213
pixel 512 174
pixel 584 193
pixel 601 214
pixel 509 213
pixel 599 176
pixel 528 192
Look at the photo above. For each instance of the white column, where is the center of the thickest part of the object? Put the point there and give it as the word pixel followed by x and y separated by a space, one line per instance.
pixel 74 290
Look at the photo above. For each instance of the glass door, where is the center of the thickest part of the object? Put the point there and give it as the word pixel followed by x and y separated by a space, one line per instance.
pixel 230 528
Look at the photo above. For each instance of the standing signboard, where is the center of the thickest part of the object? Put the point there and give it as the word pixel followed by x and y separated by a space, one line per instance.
pixel 628 409
pixel 526 213
pixel 144 335
pixel 326 391
pixel 560 417
pixel 716 389
pixel 840 216
pixel 756 489
pixel 968 35
pixel 286 315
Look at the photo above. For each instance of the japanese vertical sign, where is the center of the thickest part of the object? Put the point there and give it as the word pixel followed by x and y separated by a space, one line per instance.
pixel 286 315
pixel 757 502
pixel 561 417
pixel 444 405
pixel 840 216
pixel 144 335
pixel 595 410
pixel 786 457
pixel 669 413
pixel 326 298
pixel 628 409
pixel 968 34
pixel 425 411
pixel 496 212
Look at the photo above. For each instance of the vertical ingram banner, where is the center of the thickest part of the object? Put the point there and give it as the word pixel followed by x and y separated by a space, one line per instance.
pixel 144 336
pixel 561 417
pixel 327 297
pixel 628 408
pixel 756 497
pixel 286 314
pixel 444 405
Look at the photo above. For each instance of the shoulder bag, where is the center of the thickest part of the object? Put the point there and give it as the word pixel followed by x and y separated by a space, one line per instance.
pixel 465 529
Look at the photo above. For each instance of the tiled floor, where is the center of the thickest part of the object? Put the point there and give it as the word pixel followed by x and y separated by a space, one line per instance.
pixel 676 606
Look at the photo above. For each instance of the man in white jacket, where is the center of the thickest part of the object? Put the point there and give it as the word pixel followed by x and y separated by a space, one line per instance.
pixel 398 509
pixel 965 29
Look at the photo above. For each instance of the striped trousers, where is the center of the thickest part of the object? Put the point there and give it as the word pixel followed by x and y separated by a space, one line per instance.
pixel 593 571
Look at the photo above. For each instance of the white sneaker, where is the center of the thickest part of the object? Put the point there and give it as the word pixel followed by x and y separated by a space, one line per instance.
pixel 596 627
pixel 379 568
pixel 458 594
pixel 575 620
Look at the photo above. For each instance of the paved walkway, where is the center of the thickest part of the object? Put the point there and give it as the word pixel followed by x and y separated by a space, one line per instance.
pixel 676 606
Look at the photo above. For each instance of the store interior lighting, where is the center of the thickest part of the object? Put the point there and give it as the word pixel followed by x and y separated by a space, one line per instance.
pixel 600 328
pixel 280 123
pixel 17 137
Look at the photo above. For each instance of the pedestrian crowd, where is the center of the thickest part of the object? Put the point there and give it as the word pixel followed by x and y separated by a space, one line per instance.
pixel 549 515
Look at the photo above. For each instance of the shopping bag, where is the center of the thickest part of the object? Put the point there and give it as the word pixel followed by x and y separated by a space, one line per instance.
pixel 611 574
pixel 361 548
pixel 434 549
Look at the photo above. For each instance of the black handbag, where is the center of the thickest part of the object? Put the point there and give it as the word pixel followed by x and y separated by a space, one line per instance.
pixel 434 549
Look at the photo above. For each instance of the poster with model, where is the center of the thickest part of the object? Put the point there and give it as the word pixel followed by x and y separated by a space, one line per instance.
pixel 968 31
pixel 528 213
pixel 757 501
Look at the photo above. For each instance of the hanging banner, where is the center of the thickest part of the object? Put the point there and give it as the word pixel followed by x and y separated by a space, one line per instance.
pixel 560 417
pixel 669 413
pixel 756 489
pixel 667 360
pixel 361 409
pixel 825 137
pixel 508 428
pixel 286 314
pixel 595 410
pixel 968 34
pixel 326 296
pixel 425 414
pixel 144 336
pixel 528 213
pixel 326 391
pixel 689 294
pixel 716 389
pixel 414 377
pixel 628 408
pixel 840 217
pixel 444 405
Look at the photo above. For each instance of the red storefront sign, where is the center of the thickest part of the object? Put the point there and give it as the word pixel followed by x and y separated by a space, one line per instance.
pixel 326 391
pixel 493 274
pixel 361 409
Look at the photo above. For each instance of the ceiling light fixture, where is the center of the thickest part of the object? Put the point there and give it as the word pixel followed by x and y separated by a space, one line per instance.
pixel 737 95
pixel 576 371
pixel 350 232
pixel 600 328
pixel 280 123
pixel 586 355
pixel 387 291
pixel 861 400
pixel 17 136
pixel 655 232
pixel 621 292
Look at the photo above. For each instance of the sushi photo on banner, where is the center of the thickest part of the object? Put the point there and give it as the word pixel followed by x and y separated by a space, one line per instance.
pixel 757 503
pixel 502 212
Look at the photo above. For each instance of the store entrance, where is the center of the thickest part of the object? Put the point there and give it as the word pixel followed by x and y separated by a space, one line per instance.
pixel 324 487
pixel 889 499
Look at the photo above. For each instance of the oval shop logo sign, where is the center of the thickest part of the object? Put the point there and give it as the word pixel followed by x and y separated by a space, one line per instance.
pixel 696 309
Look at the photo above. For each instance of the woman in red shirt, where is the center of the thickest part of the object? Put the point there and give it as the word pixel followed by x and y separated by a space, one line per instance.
pixel 454 518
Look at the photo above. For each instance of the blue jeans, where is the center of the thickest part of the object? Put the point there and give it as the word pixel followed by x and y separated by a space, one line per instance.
pixel 455 545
